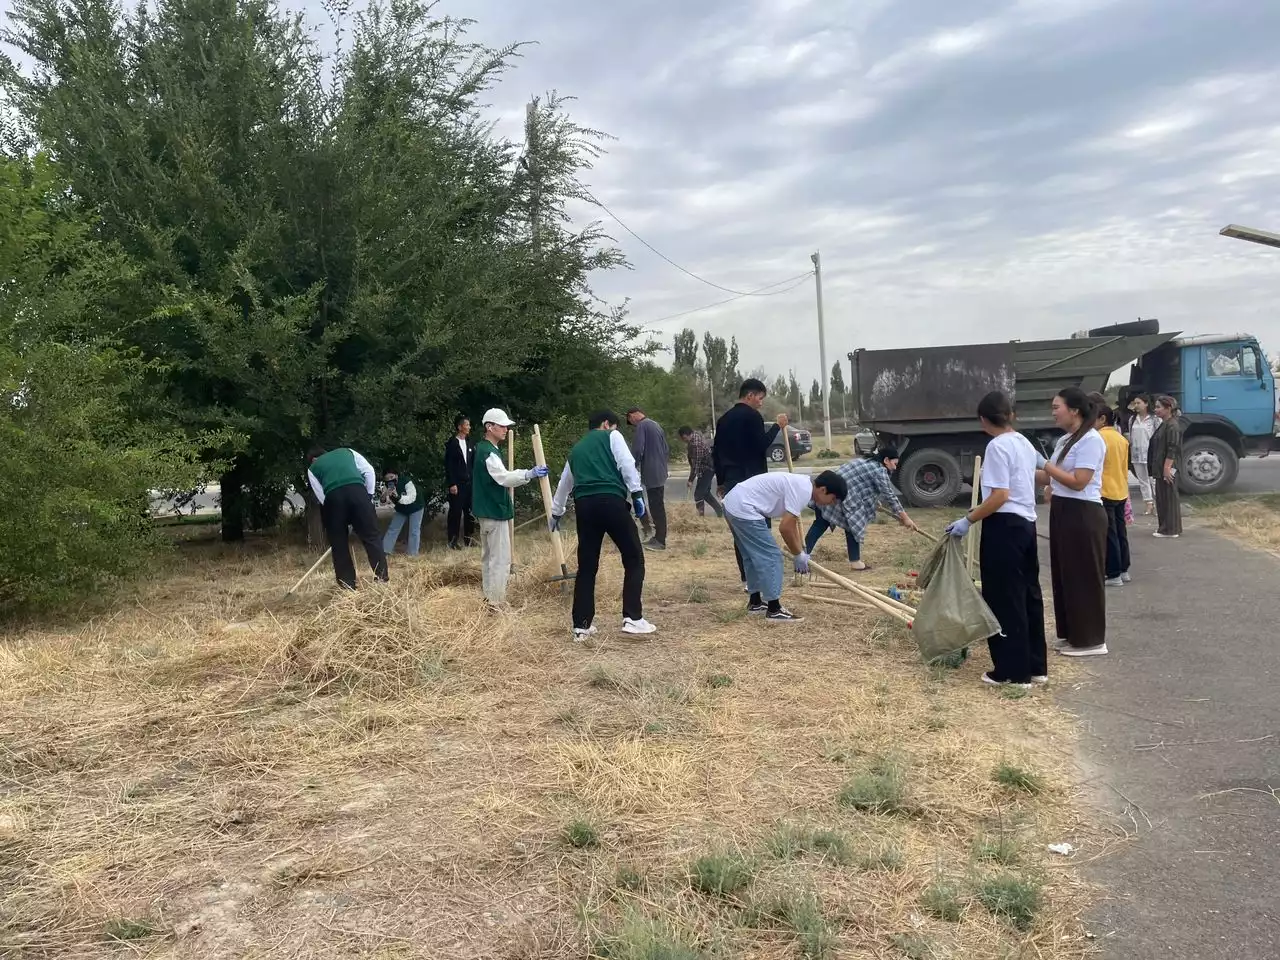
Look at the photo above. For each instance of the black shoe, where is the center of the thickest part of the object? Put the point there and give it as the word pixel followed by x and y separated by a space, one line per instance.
pixel 782 615
pixel 655 544
pixel 757 608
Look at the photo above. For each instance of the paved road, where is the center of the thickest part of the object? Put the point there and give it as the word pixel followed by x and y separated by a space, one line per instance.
pixel 1183 720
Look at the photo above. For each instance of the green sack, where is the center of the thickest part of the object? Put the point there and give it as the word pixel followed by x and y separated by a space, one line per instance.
pixel 952 613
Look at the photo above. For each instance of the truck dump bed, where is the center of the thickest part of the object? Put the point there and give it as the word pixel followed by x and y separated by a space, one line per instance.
pixel 937 389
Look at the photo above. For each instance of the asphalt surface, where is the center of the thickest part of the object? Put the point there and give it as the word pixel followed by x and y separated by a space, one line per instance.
pixel 1182 739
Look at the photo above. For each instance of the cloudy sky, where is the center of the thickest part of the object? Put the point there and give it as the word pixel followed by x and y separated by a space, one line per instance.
pixel 970 169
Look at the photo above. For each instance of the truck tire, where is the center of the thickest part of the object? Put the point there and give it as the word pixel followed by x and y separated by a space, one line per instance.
pixel 1209 465
pixel 930 478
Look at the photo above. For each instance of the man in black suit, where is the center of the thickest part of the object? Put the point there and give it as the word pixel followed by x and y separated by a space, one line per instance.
pixel 459 454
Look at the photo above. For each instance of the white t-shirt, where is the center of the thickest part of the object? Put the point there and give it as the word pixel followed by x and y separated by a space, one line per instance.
pixel 769 495
pixel 1088 454
pixel 1010 464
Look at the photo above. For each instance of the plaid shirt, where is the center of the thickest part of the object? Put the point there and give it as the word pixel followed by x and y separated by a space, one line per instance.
pixel 869 484
pixel 699 456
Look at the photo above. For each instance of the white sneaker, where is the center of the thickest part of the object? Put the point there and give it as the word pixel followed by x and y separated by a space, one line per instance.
pixel 1060 644
pixel 987 678
pixel 1040 679
pixel 1098 651
pixel 1165 536
pixel 1115 582
pixel 637 626
pixel 581 633
pixel 1125 578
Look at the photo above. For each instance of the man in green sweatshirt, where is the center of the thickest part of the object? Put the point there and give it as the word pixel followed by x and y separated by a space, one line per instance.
pixel 491 504
pixel 602 477
pixel 344 482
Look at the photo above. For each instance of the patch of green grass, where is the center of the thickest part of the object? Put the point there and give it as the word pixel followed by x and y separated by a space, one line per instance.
pixel 1016 778
pixel 881 788
pixel 127 929
pixel 718 681
pixel 581 835
pixel 731 614
pixel 1011 898
pixel 1000 849
pixel 639 938
pixel 791 841
pixel 950 661
pixel 829 455
pixel 888 857
pixel 700 548
pixel 943 900
pixel 721 874
pixel 698 593
pixel 914 946
pixel 602 678
pixel 632 877
pixel 656 728
pixel 1010 692
pixel 803 914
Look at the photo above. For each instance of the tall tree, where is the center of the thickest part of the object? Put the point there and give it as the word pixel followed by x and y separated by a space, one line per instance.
pixel 815 394
pixel 780 389
pixel 685 347
pixel 837 378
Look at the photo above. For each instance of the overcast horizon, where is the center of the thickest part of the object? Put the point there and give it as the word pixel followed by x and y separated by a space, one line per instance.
pixel 974 170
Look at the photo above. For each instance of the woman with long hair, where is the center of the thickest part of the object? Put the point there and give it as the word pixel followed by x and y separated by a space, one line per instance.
pixel 1141 428
pixel 1007 551
pixel 1163 456
pixel 1077 527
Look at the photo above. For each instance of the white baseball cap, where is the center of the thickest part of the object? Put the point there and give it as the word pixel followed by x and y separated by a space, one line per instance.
pixel 494 415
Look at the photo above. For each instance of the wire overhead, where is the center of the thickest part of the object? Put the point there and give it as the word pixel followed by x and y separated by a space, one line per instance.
pixel 792 282
pixel 654 250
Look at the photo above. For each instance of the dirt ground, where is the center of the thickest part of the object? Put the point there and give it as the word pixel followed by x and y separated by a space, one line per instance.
pixel 203 770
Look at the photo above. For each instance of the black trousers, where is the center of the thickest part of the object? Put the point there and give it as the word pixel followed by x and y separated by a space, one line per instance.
pixel 656 517
pixel 600 516
pixel 460 519
pixel 351 507
pixel 1077 568
pixel 1117 539
pixel 1011 586
pixel 704 494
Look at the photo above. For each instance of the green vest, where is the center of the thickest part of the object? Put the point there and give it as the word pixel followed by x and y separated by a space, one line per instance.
pixel 595 472
pixel 489 499
pixel 417 504
pixel 335 469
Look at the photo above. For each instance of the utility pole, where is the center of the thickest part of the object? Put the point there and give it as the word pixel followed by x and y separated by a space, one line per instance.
pixel 816 257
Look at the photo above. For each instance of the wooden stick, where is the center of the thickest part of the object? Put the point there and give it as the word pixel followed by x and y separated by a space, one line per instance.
pixel 837 601
pixel 883 603
pixel 314 567
pixel 889 513
pixel 972 539
pixel 864 591
pixel 545 485
pixel 511 492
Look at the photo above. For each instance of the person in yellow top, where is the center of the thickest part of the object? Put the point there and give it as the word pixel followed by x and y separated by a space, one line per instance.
pixel 1115 494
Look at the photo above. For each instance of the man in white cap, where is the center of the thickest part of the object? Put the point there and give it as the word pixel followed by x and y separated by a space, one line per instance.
pixel 491 503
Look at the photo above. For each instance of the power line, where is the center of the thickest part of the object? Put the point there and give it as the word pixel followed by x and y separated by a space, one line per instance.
pixel 794 281
pixel 659 253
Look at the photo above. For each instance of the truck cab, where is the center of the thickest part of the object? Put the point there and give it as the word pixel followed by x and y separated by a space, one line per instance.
pixel 1226 392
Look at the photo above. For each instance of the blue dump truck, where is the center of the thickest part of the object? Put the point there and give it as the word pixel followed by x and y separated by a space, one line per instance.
pixel 924 400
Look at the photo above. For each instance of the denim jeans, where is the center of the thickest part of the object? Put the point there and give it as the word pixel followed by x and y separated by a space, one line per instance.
pixel 397 524
pixel 761 556
pixel 820 526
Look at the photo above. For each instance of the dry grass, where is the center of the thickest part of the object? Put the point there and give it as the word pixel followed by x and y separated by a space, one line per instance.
pixel 208 772
pixel 1253 520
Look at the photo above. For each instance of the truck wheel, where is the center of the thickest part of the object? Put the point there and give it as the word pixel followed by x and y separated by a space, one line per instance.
pixel 777 454
pixel 930 478
pixel 1209 465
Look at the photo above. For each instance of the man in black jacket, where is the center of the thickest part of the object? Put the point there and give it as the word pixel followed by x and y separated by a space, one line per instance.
pixel 459 457
pixel 741 446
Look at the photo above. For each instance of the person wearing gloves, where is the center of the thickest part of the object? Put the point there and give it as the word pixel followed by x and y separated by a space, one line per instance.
pixel 601 476
pixel 869 485
pixel 409 509
pixel 749 507
pixel 1007 553
pixel 344 483
pixel 491 504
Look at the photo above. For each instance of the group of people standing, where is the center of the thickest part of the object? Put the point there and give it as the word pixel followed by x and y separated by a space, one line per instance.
pixel 1086 480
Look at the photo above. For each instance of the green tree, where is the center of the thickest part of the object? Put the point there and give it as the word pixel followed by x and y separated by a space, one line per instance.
pixel 80 460
pixel 815 394
pixel 837 379
pixel 685 346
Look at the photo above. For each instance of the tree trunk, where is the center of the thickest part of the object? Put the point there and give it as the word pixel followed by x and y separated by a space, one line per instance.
pixel 315 521
pixel 233 505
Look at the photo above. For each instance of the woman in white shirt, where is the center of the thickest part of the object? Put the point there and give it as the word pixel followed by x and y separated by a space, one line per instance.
pixel 1141 430
pixel 1077 527
pixel 1009 561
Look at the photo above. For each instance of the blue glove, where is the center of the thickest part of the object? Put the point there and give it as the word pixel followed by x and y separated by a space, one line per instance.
pixel 959 528
pixel 554 523
pixel 538 472
pixel 637 501
pixel 802 563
